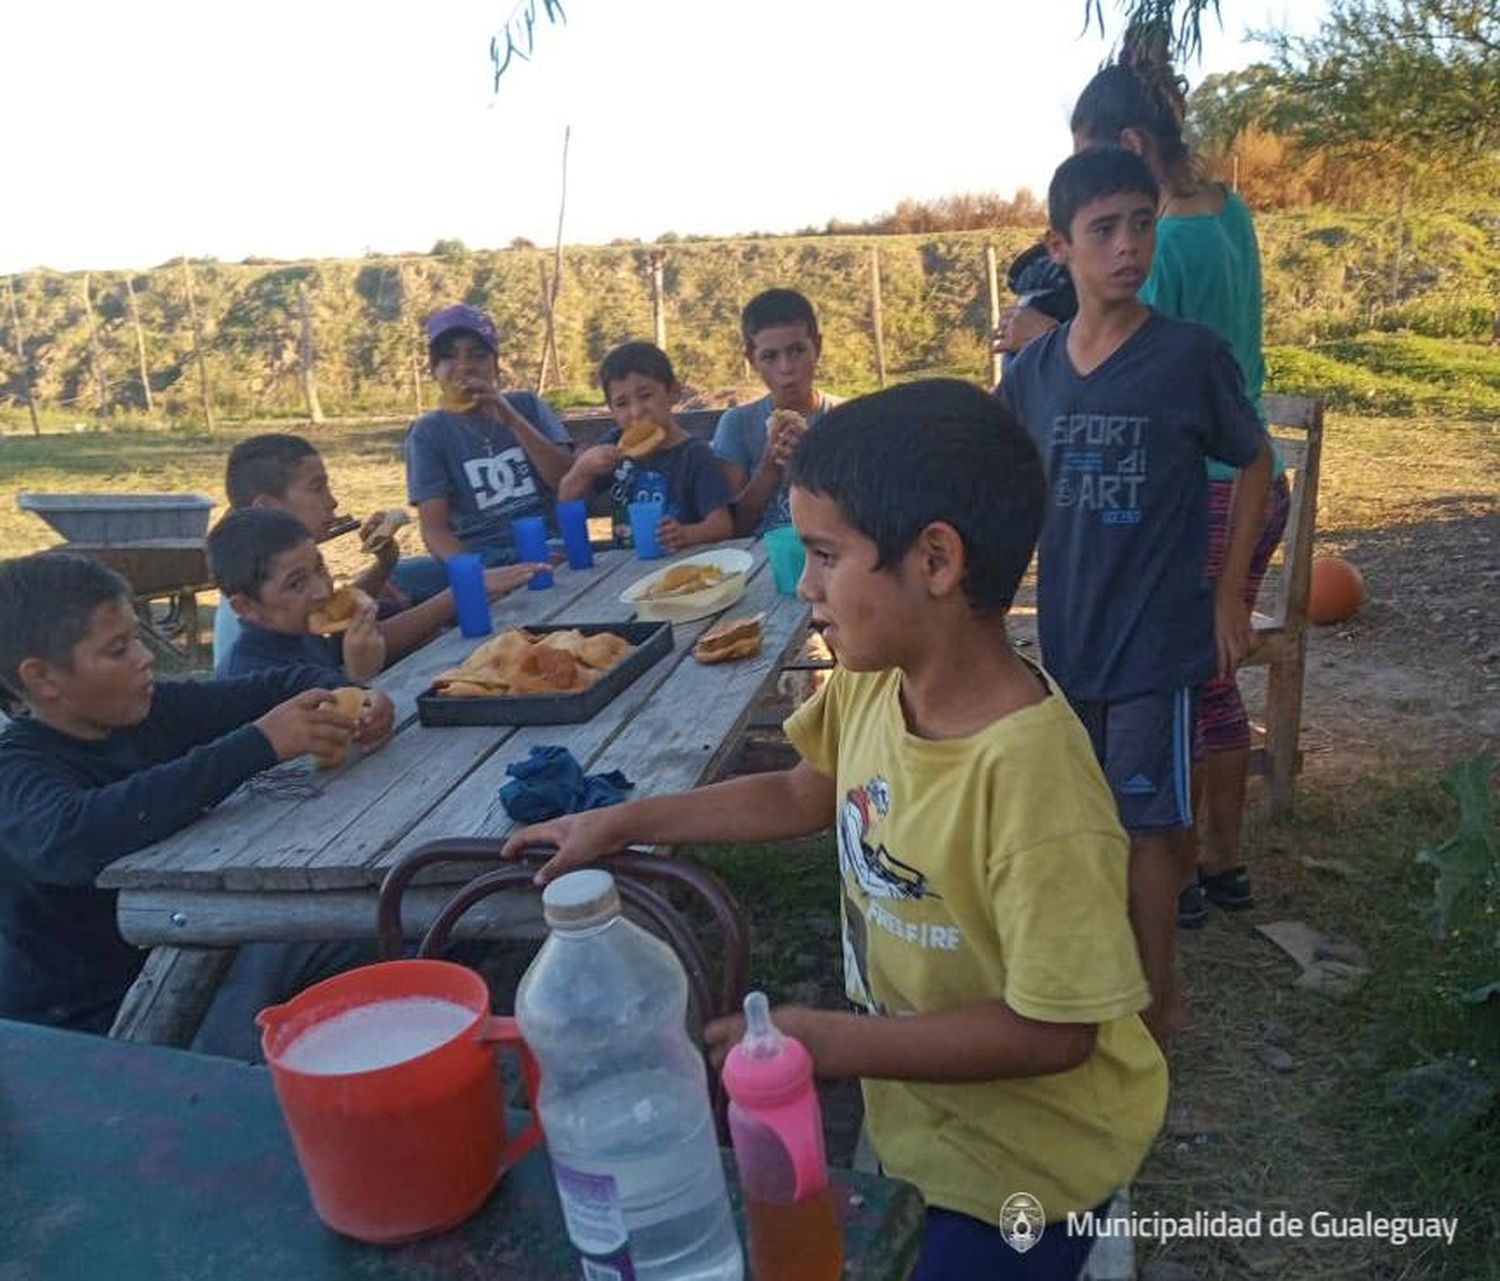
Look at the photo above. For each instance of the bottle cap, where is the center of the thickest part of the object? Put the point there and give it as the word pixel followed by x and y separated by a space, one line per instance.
pixel 580 899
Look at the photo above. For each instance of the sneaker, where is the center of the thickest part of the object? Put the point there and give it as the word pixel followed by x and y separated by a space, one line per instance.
pixel 1229 890
pixel 1192 907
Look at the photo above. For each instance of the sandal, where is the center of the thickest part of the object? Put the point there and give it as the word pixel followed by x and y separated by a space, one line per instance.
pixel 1229 890
pixel 1192 908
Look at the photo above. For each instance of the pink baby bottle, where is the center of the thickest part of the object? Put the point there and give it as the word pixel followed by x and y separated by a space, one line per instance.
pixel 778 1146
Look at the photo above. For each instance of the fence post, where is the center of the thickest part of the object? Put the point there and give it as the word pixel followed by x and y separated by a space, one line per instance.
pixel 140 343
pixel 992 282
pixel 413 345
pixel 18 340
pixel 208 406
pixel 307 355
pixel 875 314
pixel 658 301
pixel 96 360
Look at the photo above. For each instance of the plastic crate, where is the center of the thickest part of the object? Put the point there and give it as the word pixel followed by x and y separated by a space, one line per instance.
pixel 121 518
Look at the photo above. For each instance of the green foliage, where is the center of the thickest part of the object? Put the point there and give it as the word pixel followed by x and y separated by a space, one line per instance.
pixel 1362 291
pixel 1468 862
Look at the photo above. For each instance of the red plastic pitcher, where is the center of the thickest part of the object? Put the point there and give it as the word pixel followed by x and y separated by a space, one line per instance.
pixel 395 1109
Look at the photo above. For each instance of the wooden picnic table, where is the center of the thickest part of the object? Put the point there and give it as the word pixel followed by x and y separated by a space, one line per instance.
pixel 132 1161
pixel 299 856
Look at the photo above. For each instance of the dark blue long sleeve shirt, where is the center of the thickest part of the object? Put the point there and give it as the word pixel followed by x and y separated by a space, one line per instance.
pixel 69 807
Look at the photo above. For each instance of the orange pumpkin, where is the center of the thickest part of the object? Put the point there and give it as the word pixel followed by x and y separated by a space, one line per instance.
pixel 1337 591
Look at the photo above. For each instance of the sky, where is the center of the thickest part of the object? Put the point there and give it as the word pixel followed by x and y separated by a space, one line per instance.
pixel 137 132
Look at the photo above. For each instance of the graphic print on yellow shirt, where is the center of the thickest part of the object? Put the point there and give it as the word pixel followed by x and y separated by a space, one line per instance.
pixel 980 870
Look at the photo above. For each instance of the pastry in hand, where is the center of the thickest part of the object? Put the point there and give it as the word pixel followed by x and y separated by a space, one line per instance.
pixel 350 701
pixel 642 438
pixel 384 530
pixel 338 612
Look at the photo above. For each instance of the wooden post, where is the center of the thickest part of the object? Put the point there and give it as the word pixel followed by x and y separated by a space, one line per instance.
pixel 1234 182
pixel 658 301
pixel 140 343
pixel 208 406
pixel 414 347
pixel 549 339
pixel 875 314
pixel 18 341
pixel 307 356
pixel 992 282
pixel 549 296
pixel 96 360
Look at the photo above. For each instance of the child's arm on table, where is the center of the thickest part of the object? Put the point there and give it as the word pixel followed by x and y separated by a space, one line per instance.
pixel 978 1043
pixel 713 528
pixel 412 628
pixel 758 807
pixel 1233 633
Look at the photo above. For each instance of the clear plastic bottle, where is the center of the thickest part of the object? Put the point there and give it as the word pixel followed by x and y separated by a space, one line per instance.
pixel 624 1095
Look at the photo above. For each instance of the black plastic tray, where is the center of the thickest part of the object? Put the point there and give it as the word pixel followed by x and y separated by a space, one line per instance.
pixel 652 641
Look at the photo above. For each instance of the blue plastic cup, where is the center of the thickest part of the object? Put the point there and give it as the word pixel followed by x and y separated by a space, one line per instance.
pixel 644 518
pixel 466 577
pixel 787 556
pixel 573 520
pixel 530 533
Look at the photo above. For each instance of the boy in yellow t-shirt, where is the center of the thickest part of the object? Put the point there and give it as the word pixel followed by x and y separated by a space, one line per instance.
pixel 1005 1069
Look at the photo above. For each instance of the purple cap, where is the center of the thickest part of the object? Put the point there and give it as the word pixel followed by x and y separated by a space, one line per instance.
pixel 462 316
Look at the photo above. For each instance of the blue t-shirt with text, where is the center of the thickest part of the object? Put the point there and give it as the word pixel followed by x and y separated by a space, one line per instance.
pixel 1124 606
pixel 480 468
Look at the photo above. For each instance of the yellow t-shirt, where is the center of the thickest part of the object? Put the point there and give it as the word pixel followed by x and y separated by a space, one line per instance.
pixel 989 868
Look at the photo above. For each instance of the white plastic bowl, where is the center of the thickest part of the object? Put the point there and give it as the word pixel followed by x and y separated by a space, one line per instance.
pixel 693 605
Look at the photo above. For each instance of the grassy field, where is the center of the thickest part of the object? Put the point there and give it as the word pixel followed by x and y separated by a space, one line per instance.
pixel 1394 698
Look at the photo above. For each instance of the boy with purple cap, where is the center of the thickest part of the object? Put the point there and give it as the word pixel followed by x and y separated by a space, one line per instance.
pixel 481 459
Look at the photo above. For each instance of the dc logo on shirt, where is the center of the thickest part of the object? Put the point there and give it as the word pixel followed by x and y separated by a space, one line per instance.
pixel 501 478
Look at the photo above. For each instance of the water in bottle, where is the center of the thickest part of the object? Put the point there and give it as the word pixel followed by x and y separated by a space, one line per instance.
pixel 624 1095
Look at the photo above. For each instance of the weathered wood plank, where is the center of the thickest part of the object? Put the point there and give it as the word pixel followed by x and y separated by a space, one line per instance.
pixel 177 923
pixel 171 994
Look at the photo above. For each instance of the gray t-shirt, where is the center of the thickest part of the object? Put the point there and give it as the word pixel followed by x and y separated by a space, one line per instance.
pixel 1124 603
pixel 478 466
pixel 740 439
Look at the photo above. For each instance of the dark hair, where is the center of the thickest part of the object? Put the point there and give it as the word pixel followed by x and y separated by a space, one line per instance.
pixel 935 450
pixel 777 307
pixel 46 602
pixel 643 358
pixel 1141 92
pixel 263 465
pixel 1092 175
pixel 242 546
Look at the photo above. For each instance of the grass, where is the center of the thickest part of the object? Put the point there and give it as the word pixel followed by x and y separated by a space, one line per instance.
pixel 1393 374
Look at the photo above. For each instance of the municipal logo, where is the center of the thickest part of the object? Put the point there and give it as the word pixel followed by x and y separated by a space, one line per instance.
pixel 1022 1221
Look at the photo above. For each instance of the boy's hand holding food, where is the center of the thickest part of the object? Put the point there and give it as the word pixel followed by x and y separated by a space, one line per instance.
pixel 309 723
pixel 364 646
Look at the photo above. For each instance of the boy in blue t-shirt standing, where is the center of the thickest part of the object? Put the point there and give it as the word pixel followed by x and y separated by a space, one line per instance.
pixel 1125 405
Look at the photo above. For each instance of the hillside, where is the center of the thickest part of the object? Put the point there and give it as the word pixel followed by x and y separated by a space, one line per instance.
pixel 1350 299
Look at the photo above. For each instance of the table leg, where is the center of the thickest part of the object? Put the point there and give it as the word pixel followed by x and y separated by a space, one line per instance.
pixel 170 996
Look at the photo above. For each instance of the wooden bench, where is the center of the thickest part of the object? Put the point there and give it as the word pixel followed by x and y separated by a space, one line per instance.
pixel 1296 425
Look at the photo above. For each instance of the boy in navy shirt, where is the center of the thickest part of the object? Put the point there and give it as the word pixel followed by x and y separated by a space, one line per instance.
pixel 105 762
pixel 1124 406
pixel 679 471
pixel 272 575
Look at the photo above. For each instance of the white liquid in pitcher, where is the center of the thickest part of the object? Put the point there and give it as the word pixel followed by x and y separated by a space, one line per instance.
pixel 377 1035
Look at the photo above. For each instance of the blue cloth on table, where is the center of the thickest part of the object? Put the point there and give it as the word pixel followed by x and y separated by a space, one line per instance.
pixel 550 782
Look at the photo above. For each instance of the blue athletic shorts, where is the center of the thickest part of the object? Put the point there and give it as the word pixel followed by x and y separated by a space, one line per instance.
pixel 1145 746
pixel 957 1247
